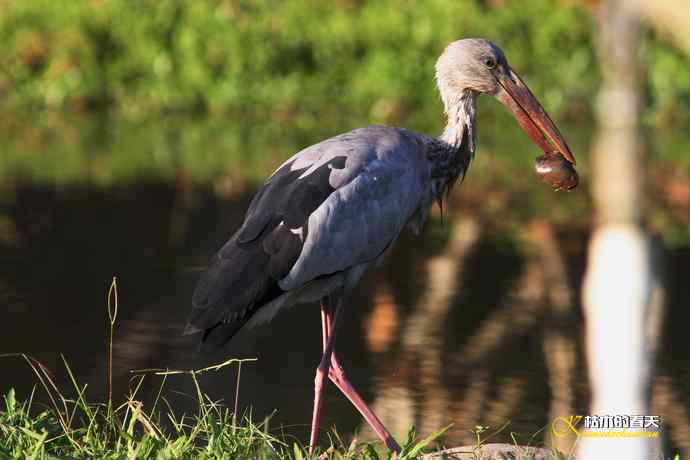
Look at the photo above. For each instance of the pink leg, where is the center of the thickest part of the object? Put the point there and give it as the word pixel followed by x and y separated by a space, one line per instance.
pixel 325 323
pixel 337 376
pixel 328 341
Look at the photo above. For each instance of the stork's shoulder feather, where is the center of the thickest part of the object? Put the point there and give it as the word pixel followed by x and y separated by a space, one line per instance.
pixel 385 180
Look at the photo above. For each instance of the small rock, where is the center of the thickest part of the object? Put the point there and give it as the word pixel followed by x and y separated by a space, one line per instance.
pixel 495 452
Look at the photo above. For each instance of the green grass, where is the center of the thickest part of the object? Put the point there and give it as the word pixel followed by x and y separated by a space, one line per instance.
pixel 75 428
pixel 72 427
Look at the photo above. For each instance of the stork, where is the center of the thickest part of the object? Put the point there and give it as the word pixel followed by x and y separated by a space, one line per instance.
pixel 333 209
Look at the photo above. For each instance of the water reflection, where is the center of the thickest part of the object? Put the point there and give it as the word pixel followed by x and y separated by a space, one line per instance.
pixel 476 322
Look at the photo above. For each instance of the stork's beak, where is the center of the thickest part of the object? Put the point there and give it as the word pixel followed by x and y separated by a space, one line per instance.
pixel 533 119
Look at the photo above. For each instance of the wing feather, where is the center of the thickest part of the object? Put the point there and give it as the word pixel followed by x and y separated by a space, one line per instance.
pixel 330 207
pixel 359 220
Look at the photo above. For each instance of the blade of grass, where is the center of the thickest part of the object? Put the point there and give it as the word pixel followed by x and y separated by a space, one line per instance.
pixel 113 307
pixel 417 448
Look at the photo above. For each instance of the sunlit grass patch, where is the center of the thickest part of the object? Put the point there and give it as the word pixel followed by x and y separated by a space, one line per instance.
pixel 75 428
pixel 70 426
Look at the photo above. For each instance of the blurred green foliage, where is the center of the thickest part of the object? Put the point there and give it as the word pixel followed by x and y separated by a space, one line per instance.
pixel 286 74
pixel 371 59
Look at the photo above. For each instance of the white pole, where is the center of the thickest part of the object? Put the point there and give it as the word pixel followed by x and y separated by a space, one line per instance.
pixel 619 282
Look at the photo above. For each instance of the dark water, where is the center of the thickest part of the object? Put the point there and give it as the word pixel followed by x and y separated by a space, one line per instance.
pixel 475 322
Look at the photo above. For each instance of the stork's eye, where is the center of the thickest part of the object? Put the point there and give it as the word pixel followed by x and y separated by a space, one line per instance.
pixel 490 62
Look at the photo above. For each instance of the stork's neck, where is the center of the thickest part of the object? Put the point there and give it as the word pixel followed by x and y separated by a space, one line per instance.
pixel 460 111
pixel 453 151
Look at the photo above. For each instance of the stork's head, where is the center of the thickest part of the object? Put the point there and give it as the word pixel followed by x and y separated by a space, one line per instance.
pixel 475 64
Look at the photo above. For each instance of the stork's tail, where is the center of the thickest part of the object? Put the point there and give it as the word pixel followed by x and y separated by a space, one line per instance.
pixel 229 292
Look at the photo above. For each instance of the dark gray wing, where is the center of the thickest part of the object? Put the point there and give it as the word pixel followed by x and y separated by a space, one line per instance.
pixel 244 273
pixel 332 206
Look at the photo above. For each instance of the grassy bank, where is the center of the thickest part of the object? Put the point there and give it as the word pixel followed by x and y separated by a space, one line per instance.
pixel 75 428
pixel 54 423
pixel 71 426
